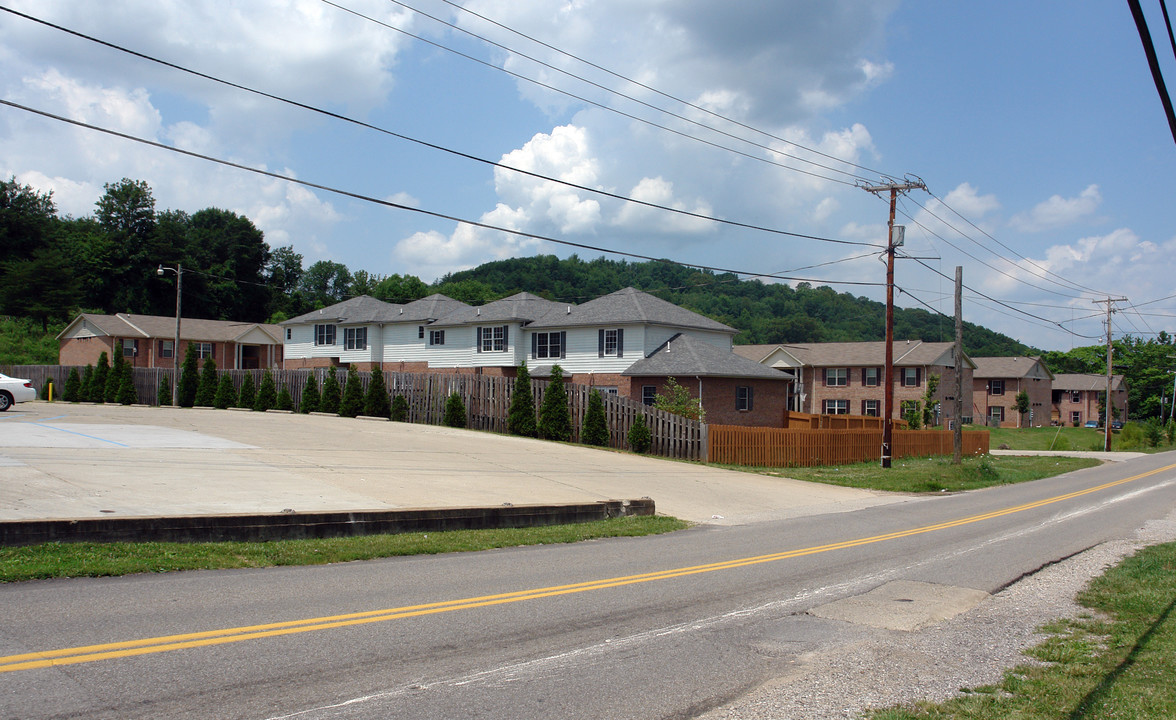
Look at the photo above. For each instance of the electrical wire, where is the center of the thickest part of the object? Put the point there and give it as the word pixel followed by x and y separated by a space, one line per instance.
pixel 580 98
pixel 408 208
pixel 423 143
pixel 643 103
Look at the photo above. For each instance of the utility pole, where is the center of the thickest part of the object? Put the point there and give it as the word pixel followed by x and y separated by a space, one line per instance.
pixel 1108 404
pixel 957 438
pixel 892 242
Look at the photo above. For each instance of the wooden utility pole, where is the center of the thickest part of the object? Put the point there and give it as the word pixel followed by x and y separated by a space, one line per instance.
pixel 891 243
pixel 957 438
pixel 1108 404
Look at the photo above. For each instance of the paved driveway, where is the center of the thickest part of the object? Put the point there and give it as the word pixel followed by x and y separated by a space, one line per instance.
pixel 60 460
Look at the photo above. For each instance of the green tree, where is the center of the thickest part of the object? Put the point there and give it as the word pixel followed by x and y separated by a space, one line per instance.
pixel 397 289
pixel 267 395
pixel 555 421
pixel 310 396
pixel 352 403
pixel 376 403
pixel 640 439
pixel 912 412
pixel 127 394
pixel 189 378
pixel 1021 405
pixel 595 430
pixel 332 394
pixel 248 394
pixel 929 403
pixel 98 381
pixel 163 396
pixel 232 257
pixel 285 401
pixel 85 392
pixel 325 283
pixel 676 399
pixel 399 408
pixel 206 390
pixel 73 386
pixel 520 418
pixel 455 412
pixel 114 377
pixel 226 393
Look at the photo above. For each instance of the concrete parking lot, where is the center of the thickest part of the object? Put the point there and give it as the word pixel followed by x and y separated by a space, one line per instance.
pixel 61 460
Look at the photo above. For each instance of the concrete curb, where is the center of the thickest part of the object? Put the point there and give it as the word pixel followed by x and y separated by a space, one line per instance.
pixel 302 525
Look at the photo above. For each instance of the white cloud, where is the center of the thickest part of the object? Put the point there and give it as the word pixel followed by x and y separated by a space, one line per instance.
pixel 659 191
pixel 565 154
pixel 429 255
pixel 1059 212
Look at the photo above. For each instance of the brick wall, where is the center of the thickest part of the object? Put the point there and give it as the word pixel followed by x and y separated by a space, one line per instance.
pixel 769 398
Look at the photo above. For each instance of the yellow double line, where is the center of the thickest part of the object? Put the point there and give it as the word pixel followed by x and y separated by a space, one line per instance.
pixel 146 646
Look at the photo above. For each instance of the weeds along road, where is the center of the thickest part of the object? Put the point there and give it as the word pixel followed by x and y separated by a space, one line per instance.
pixel 665 626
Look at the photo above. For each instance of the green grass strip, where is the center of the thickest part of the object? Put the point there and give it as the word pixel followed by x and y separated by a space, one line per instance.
pixel 1118 661
pixel 54 560
pixel 937 474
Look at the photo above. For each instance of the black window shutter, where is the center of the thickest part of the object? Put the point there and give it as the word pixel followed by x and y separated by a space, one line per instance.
pixel 563 344
pixel 918 377
pixel 600 344
pixel 534 345
pixel 478 342
pixel 505 338
pixel 620 342
pixel 213 346
pixel 750 396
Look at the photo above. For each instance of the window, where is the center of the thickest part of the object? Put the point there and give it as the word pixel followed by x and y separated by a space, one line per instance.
pixel 324 334
pixel 743 397
pixel 836 407
pixel 130 347
pixel 289 333
pixel 1075 418
pixel 204 350
pixel 870 377
pixel 996 414
pixel 610 343
pixel 492 339
pixel 870 408
pixel 836 377
pixel 166 348
pixel 648 394
pixel 606 390
pixel 436 337
pixel 910 377
pixel 355 338
pixel 420 332
pixel 548 345
pixel 1075 396
pixel 996 387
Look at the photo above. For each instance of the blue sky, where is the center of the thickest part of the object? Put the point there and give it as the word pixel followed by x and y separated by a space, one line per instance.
pixel 1038 123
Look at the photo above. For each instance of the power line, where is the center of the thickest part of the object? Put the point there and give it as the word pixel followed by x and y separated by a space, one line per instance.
pixel 585 100
pixel 408 208
pixel 634 82
pixel 432 146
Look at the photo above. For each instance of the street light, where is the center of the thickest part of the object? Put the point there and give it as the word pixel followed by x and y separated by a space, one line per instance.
pixel 179 271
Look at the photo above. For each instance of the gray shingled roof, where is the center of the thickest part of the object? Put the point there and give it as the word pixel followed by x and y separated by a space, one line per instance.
pixel 685 356
pixel 1086 381
pixel 362 309
pixel 629 306
pixel 907 353
pixel 523 307
pixel 1009 367
pixel 127 325
pixel 429 308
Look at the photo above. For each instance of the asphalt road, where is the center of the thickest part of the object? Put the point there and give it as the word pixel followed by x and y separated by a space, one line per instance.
pixel 667 626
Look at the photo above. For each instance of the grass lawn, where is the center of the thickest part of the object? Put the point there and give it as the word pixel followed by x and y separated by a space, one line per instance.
pixel 1072 438
pixel 1117 661
pixel 937 474
pixel 52 560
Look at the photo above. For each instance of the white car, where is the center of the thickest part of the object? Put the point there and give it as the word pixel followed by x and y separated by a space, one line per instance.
pixel 14 390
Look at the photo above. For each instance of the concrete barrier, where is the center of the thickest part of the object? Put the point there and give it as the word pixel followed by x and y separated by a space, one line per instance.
pixel 303 525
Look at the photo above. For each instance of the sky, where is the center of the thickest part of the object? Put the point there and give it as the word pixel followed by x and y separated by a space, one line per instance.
pixel 1036 128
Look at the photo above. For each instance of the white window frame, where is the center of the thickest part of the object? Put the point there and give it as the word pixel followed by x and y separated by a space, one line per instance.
pixel 493 339
pixel 1075 417
pixel 910 377
pixel 167 348
pixel 996 412
pixel 543 346
pixel 836 377
pixel 203 350
pixel 871 405
pixel 436 337
pixel 324 335
pixel 610 343
pixel 355 338
pixel 868 374
pixel 835 406
pixel 744 398
pixel 996 387
pixel 1075 396
pixel 129 346
pixel 648 394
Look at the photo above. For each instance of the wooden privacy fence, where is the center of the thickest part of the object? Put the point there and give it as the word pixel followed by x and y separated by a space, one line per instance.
pixel 809 421
pixel 773 447
pixel 486 398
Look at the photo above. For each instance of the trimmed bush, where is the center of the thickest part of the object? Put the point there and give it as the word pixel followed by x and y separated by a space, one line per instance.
pixel 87 384
pixel 267 395
pixel 97 387
pixel 226 393
pixel 640 439
pixel 189 378
pixel 400 408
pixel 285 402
pixel 331 395
pixel 595 430
pixel 164 396
pixel 376 402
pixel 555 421
pixel 206 391
pixel 248 394
pixel 310 396
pixel 127 394
pixel 455 412
pixel 352 402
pixel 521 418
pixel 73 387
pixel 114 378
